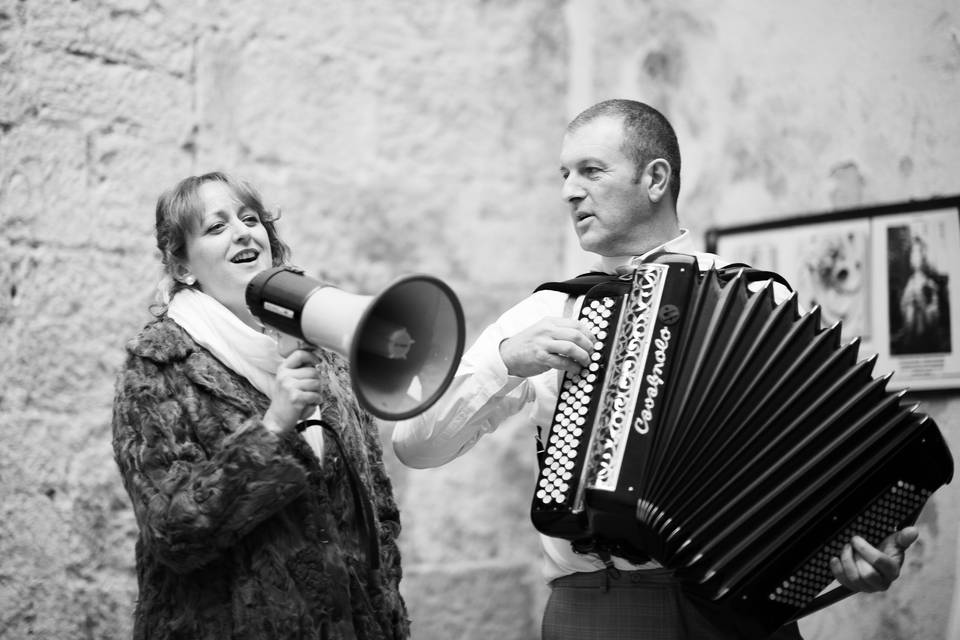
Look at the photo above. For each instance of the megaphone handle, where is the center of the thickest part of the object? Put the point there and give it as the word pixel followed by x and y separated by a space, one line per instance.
pixel 287 344
pixel 362 506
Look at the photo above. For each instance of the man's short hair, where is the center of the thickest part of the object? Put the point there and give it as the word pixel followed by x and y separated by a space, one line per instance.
pixel 647 135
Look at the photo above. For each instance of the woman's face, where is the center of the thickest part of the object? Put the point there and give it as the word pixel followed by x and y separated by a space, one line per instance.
pixel 228 248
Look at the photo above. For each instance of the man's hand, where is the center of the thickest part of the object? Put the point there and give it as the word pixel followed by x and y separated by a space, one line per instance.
pixel 551 343
pixel 862 567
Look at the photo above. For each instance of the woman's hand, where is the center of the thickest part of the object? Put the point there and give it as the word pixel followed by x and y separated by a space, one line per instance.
pixel 296 391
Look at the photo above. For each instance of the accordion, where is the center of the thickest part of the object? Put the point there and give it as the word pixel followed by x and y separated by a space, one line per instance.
pixel 732 439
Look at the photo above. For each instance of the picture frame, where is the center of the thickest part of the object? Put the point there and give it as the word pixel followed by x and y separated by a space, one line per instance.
pixel 890 274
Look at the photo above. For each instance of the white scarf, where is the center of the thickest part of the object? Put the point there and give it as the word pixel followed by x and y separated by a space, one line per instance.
pixel 248 352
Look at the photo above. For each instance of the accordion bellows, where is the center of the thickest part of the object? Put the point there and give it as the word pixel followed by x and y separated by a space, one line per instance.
pixel 732 439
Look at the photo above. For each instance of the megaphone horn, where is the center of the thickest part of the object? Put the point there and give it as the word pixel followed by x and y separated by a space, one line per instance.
pixel 403 344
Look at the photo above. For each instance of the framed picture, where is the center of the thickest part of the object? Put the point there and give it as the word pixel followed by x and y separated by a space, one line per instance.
pixel 889 274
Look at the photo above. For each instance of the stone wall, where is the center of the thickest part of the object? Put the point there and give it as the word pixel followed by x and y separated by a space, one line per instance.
pixel 397 137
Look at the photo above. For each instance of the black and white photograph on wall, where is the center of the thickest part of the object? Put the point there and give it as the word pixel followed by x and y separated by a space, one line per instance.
pixel 832 274
pixel 825 263
pixel 889 274
pixel 917 287
pixel 919 294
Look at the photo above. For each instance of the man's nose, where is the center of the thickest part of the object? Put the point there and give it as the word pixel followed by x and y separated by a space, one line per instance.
pixel 571 189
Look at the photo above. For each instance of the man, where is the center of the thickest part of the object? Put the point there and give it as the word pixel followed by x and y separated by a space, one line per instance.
pixel 620 163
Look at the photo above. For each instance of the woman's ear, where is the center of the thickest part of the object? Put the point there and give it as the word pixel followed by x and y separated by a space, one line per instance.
pixel 181 273
pixel 657 175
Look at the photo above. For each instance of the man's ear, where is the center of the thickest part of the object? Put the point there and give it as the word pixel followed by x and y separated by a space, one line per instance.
pixel 657 177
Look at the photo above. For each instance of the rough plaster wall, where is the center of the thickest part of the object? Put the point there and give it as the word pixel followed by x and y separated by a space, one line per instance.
pixel 786 108
pixel 406 136
pixel 395 136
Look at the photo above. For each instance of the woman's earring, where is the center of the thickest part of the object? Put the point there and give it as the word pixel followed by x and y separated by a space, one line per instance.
pixel 189 281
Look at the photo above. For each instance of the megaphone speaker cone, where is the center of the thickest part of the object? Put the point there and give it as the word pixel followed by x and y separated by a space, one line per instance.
pixel 429 313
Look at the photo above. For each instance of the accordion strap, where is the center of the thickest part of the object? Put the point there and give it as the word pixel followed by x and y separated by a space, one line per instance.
pixel 583 283
pixel 823 601
pixel 751 274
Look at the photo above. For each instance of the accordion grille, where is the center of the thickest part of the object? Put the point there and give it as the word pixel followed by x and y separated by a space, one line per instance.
pixel 881 518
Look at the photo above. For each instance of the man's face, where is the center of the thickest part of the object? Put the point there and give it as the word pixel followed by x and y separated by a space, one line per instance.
pixel 606 205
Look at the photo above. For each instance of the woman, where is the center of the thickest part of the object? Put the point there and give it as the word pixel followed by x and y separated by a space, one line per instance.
pixel 248 528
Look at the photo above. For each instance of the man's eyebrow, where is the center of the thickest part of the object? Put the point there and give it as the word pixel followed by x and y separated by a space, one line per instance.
pixel 579 162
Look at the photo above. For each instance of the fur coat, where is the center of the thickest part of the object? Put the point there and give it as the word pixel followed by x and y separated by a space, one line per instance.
pixel 243 533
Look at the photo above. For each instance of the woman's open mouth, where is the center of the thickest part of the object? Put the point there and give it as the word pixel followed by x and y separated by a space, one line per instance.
pixel 246 255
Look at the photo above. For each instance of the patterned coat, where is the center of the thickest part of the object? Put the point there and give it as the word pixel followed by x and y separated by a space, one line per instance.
pixel 243 534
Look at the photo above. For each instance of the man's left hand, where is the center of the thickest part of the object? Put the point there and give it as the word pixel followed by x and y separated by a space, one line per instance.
pixel 863 567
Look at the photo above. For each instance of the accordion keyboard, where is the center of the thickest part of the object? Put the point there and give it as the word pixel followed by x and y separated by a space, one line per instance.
pixel 563 457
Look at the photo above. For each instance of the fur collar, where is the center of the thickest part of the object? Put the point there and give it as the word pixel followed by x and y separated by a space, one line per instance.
pixel 163 341
pixel 166 343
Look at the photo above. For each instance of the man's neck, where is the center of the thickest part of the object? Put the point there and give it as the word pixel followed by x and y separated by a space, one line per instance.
pixel 609 264
pixel 657 231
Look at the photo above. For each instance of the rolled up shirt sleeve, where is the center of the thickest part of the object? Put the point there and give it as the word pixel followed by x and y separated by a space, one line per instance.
pixel 482 396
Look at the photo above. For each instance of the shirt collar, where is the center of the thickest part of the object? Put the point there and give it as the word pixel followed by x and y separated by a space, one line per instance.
pixel 681 244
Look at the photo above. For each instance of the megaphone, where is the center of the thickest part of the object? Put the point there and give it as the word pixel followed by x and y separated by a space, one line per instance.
pixel 403 345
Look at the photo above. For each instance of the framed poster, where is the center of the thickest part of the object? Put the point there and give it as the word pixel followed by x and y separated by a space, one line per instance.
pixel 889 274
